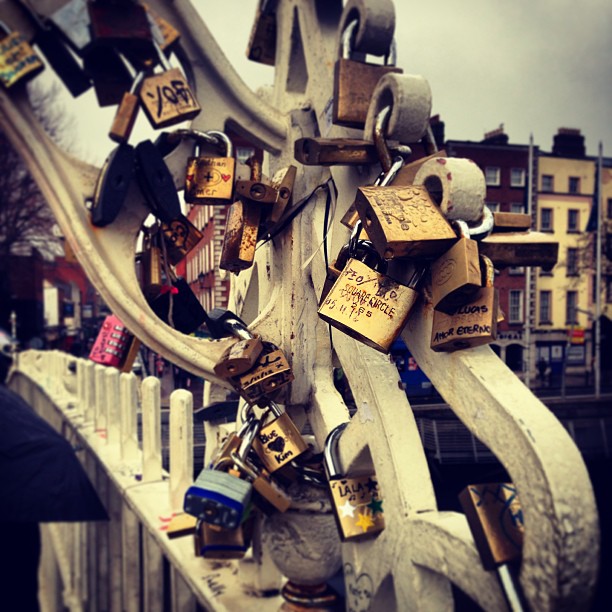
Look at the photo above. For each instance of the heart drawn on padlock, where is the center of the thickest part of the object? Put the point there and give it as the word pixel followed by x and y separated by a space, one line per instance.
pixel 226 177
pixel 277 445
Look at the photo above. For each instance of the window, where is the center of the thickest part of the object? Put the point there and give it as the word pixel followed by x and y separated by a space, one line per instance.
pixel 573 217
pixel 515 306
pixel 548 182
pixel 546 219
pixel 545 304
pixel 517 177
pixel 493 206
pixel 492 175
pixel 574 184
pixel 572 262
pixel 571 301
pixel 517 207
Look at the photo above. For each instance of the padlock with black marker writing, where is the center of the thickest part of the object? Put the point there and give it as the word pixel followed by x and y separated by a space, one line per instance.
pixel 367 304
pixel 279 441
pixel 112 185
pixel 18 61
pixel 455 275
pixel 167 98
pixel 472 324
pixel 356 499
pixel 354 81
pixel 209 179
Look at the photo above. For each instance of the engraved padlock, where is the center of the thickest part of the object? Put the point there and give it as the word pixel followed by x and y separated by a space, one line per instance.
pixel 471 324
pixel 270 373
pixel 166 98
pixel 241 356
pixel 354 81
pixel 279 441
pixel 180 237
pixel 209 179
pixel 18 61
pixel 367 304
pixel 455 275
pixel 356 499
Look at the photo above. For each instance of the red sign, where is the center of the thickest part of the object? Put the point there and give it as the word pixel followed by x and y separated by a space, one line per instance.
pixel 576 335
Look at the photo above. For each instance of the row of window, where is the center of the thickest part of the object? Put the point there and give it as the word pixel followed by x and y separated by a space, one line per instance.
pixel 545 310
pixel 548 183
pixel 517 179
pixel 573 220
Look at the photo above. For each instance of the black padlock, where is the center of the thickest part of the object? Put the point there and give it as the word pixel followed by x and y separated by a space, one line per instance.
pixel 110 75
pixel 156 182
pixel 221 322
pixel 187 312
pixel 112 185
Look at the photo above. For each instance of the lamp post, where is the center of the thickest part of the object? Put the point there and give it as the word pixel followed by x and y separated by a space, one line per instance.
pixel 569 343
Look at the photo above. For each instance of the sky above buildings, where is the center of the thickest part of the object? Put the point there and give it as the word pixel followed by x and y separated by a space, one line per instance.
pixel 531 65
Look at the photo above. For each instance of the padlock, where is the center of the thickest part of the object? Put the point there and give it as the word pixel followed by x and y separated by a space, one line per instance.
pixel 521 249
pixel 354 81
pixel 112 343
pixel 73 23
pixel 356 499
pixel 166 98
pixel 180 236
pixel 242 224
pixel 178 307
pixel 151 266
pixel 18 61
pixel 262 41
pixel 112 185
pixel 278 441
pixel 213 542
pixel 241 356
pixel 156 182
pixel 284 188
pixel 163 32
pixel 471 324
pixel 511 222
pixel 220 497
pixel 495 517
pixel 456 275
pixel 127 112
pixel 122 25
pixel 368 305
pixel 270 373
pixel 210 179
pixel 110 76
pixel 334 151
pixel 221 322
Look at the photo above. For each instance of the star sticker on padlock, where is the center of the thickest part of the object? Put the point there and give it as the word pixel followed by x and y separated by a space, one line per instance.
pixel 375 506
pixel 372 485
pixel 364 521
pixel 347 509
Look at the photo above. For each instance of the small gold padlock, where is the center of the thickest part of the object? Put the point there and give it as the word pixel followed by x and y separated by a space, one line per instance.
pixel 18 61
pixel 212 542
pixel 239 358
pixel 209 179
pixel 180 236
pixel 355 81
pixel 167 98
pixel 262 41
pixel 472 324
pixel 455 275
pixel 278 441
pixel 368 305
pixel 356 499
pixel 151 266
pixel 270 373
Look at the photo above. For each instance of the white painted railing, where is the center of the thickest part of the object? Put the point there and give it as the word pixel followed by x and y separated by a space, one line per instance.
pixel 119 564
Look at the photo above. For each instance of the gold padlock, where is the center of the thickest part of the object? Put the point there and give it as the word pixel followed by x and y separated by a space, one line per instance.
pixel 209 179
pixel 213 542
pixel 262 41
pixel 278 441
pixel 455 275
pixel 472 324
pixel 167 98
pixel 180 236
pixel 368 305
pixel 239 358
pixel 356 499
pixel 355 81
pixel 151 266
pixel 18 61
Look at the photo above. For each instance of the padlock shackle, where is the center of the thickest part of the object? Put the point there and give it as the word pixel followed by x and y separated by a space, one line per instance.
pixel 461 227
pixel 354 239
pixel 347 39
pixel 380 127
pixel 484 227
pixel 488 271
pixel 222 139
pixel 243 466
pixel 237 328
pixel 331 461
pixel 252 429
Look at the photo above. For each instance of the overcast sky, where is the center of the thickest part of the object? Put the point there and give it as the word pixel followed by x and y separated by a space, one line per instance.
pixel 533 65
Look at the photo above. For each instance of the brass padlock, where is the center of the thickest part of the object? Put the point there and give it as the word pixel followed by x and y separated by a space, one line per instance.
pixel 278 441
pixel 270 373
pixel 471 324
pixel 456 275
pixel 151 266
pixel 284 188
pixel 180 236
pixel 356 499
pixel 18 61
pixel 262 41
pixel 167 98
pixel 368 305
pixel 127 112
pixel 210 179
pixel 355 81
pixel 213 542
pixel 239 357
